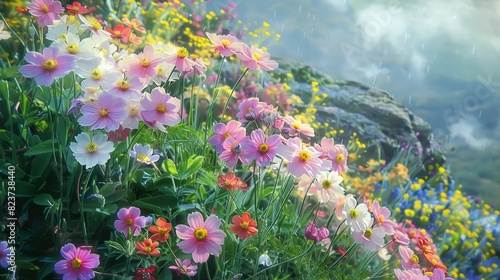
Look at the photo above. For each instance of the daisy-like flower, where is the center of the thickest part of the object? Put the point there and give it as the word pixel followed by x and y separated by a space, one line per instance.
pixel 324 147
pixel 357 215
pixel 371 238
pixel 94 26
pixel 133 108
pixel 4 252
pixel 327 186
pixel 226 45
pixel 46 11
pixel 73 45
pixel 164 73
pixel 161 107
pixel 410 274
pixel 161 230
pixel 301 160
pixel 77 9
pixel 297 128
pixel 142 65
pixel 95 71
pixel 78 262
pixel 250 110
pixel 409 259
pixel 47 66
pixel 4 35
pixel 91 151
pixel 258 148
pixel 120 32
pixel 129 219
pixel 135 24
pixel 233 129
pixel 401 238
pixel 119 135
pixel 338 156
pixel 124 87
pixel 184 267
pixel 181 60
pixel 255 58
pixel 381 215
pixel 106 114
pixel 244 226
pixel 144 154
pixel 232 153
pixel 230 181
pixel 148 247
pixel 201 238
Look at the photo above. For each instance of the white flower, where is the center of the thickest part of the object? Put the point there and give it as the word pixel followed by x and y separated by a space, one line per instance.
pixel 265 260
pixel 163 72
pixel 3 34
pixel 94 26
pixel 94 71
pixel 134 109
pixel 91 151
pixel 144 154
pixel 72 45
pixel 328 186
pixel 372 238
pixel 356 216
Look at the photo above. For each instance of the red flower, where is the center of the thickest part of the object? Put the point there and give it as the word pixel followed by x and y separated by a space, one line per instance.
pixel 77 9
pixel 148 247
pixel 22 10
pixel 161 230
pixel 144 273
pixel 228 181
pixel 244 226
pixel 120 32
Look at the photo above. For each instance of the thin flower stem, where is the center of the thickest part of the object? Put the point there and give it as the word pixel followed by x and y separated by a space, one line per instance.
pixel 344 254
pixel 231 94
pixel 302 205
pixel 281 209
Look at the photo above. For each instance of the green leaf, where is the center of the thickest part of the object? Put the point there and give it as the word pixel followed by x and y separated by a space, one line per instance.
pixel 193 164
pixel 115 245
pixel 9 72
pixel 42 148
pixel 203 193
pixel 169 166
pixel 25 189
pixel 160 200
pixel 26 265
pixel 108 189
pixel 44 199
pixel 143 205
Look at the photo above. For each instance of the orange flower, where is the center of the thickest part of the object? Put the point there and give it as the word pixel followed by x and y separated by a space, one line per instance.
pixel 244 226
pixel 148 247
pixel 161 230
pixel 135 24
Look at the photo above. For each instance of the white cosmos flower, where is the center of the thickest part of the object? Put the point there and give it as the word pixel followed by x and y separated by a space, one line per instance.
pixel 91 151
pixel 163 72
pixel 3 34
pixel 72 45
pixel 328 186
pixel 144 154
pixel 356 216
pixel 372 238
pixel 134 109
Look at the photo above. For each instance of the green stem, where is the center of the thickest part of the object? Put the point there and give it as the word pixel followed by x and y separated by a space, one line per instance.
pixel 231 94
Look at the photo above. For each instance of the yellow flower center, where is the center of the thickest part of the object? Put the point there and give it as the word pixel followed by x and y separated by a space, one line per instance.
pixel 133 111
pixel 304 156
pixel 160 71
pixel 244 225
pixel 76 9
pixel 130 222
pixel 296 125
pixel 368 233
pixel 339 158
pixel 326 184
pixel 182 53
pixel 160 108
pixel 143 157
pixel 45 9
pixel 161 231
pixel 194 56
pixel 414 259
pixel 96 74
pixel 145 63
pixel 49 64
pixel 123 85
pixel 256 56
pixel 200 234
pixel 72 48
pixel 353 213
pixel 96 25
pixel 381 219
pixel 225 42
pixel 147 249
pixel 91 147
pixel 226 135
pixel 264 148
pixel 117 32
pixel 103 112
pixel 76 263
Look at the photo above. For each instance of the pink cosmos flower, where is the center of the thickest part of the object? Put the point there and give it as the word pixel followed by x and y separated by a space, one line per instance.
pixel 338 156
pixel 250 110
pixel 4 251
pixel 298 128
pixel 47 66
pixel 184 267
pixel 143 65
pixel 46 11
pixel 411 274
pixel 357 215
pixel 233 129
pixel 129 220
pixel 258 148
pixel 78 262
pixel 301 160
pixel 201 238
pixel 371 238
pixel 409 259
pixel 438 274
pixel 106 114
pixel 181 60
pixel 381 215
pixel 255 58
pixel 325 146
pixel 134 109
pixel 232 153
pixel 401 238
pixel 161 107
pixel 226 45
pixel 124 87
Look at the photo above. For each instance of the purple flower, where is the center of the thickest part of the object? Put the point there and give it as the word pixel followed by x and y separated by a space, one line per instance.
pixel 47 66
pixel 161 107
pixel 106 114
pixel 257 147
pixel 129 219
pixel 46 11
pixel 144 154
pixel 78 262
pixel 184 267
pixel 4 252
pixel 313 233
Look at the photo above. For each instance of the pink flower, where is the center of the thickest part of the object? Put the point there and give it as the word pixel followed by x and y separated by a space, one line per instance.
pixel 46 11
pixel 47 67
pixel 298 128
pixel 181 60
pixel 250 110
pixel 301 160
pixel 325 146
pixel 233 129
pixel 184 267
pixel 411 274
pixel 78 262
pixel 4 252
pixel 255 58
pixel 161 107
pixel 401 238
pixel 129 220
pixel 316 234
pixel 201 238
pixel 409 259
pixel 338 156
pixel 106 114
pixel 119 135
pixel 226 45
pixel 124 87
pixel 372 238
pixel 257 147
pixel 381 215
pixel 143 65
pixel 438 274
pixel 232 152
